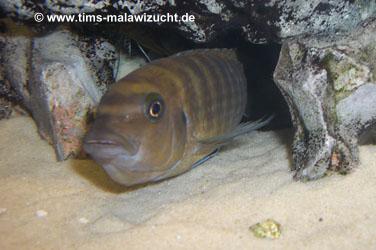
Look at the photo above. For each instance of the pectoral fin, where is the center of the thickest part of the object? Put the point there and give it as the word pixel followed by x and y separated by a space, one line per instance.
pixel 241 129
pixel 204 159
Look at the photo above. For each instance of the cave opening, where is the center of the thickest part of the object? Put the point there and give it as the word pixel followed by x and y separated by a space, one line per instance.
pixel 259 62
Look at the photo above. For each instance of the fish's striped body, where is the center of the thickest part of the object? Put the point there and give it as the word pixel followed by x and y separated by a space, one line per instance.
pixel 214 90
pixel 162 118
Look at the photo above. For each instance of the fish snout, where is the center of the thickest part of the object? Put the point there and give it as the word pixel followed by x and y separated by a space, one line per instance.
pixel 122 160
pixel 105 145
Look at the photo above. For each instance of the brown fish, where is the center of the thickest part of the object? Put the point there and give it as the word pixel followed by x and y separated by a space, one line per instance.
pixel 170 115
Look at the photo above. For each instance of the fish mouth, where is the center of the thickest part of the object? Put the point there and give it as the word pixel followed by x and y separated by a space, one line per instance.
pixel 118 164
pixel 103 151
pixel 96 147
pixel 102 142
pixel 95 144
pixel 119 157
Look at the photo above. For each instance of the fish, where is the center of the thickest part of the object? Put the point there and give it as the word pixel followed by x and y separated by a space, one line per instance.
pixel 169 116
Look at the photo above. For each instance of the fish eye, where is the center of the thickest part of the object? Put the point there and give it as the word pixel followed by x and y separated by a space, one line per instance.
pixel 154 107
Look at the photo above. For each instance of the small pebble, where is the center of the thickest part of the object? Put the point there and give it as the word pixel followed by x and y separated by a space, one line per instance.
pixel 2 210
pixel 266 229
pixel 41 213
pixel 83 220
pixel 178 237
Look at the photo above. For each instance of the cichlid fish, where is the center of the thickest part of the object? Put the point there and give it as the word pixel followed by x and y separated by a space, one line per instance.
pixel 170 115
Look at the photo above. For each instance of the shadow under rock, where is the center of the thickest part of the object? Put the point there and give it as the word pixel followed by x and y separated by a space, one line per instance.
pixel 286 137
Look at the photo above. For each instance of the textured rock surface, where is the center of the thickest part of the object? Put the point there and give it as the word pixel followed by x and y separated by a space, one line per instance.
pixel 63 91
pixel 59 77
pixel 330 86
pixel 260 21
pixel 15 53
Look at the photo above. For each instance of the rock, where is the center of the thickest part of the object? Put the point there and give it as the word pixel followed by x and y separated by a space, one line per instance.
pixel 100 58
pixel 15 55
pixel 330 86
pixel 14 51
pixel 266 229
pixel 5 108
pixel 259 21
pixel 41 213
pixel 7 96
pixel 64 90
pixel 59 77
pixel 16 58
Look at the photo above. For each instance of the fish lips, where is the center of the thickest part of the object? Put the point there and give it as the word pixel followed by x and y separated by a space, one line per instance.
pixel 107 153
pixel 104 142
pixel 103 150
pixel 111 150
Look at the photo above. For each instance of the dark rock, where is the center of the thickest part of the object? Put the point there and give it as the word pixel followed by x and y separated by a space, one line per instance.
pixel 15 55
pixel 330 86
pixel 8 98
pixel 5 103
pixel 13 67
pixel 259 21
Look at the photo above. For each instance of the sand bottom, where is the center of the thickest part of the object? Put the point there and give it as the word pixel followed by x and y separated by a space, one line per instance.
pixel 48 205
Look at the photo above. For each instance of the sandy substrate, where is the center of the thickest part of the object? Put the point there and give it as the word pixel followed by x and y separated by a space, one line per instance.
pixel 73 204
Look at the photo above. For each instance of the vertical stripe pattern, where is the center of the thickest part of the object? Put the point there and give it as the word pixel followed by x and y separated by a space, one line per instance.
pixel 216 90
